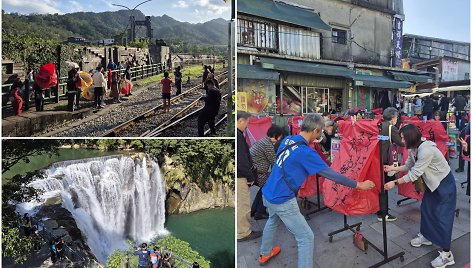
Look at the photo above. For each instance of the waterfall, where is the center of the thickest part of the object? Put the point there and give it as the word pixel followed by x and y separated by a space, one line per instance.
pixel 112 199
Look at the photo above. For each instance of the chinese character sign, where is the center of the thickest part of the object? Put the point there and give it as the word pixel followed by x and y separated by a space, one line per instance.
pixel 242 101
pixel 397 39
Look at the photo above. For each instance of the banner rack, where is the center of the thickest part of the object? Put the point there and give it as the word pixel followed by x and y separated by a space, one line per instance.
pixel 383 201
pixel 318 200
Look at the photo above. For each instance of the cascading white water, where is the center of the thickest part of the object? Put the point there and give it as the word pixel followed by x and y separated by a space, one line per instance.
pixel 111 199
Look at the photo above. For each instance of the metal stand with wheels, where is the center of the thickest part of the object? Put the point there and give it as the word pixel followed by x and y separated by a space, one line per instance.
pixel 383 211
pixel 318 199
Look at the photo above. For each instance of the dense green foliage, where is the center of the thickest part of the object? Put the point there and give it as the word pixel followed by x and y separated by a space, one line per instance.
pixel 15 151
pixel 95 26
pixel 14 246
pixel 203 161
pixel 167 243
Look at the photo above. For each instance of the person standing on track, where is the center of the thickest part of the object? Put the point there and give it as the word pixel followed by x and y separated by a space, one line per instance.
pixel 211 108
pixel 178 81
pixel 166 91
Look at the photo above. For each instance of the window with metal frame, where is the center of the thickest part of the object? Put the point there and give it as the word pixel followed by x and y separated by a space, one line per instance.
pixel 257 34
pixel 338 36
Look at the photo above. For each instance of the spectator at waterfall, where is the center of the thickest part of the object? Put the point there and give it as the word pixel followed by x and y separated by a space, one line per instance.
pixel 166 260
pixel 53 251
pixel 27 225
pixel 143 256
pixel 72 78
pixel 36 239
pixel 178 80
pixel 59 248
pixel 155 257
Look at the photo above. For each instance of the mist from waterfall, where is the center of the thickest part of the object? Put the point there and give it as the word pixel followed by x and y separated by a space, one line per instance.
pixel 112 199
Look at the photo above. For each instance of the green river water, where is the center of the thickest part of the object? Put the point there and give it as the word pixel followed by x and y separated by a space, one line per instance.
pixel 209 232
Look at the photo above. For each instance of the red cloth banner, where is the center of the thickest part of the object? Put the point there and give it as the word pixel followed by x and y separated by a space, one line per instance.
pixel 309 187
pixel 46 77
pixel 434 131
pixel 257 129
pixel 358 159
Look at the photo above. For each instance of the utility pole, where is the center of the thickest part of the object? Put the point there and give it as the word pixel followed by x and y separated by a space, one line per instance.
pixel 132 33
pixel 229 103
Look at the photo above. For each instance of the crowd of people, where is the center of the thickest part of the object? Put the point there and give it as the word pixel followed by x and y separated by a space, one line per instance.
pixel 279 166
pixel 111 82
pixel 155 258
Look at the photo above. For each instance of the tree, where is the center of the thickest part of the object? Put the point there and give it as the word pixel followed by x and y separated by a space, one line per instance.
pixel 15 151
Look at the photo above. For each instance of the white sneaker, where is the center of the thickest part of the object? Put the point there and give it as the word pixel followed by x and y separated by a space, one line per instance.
pixel 420 240
pixel 442 260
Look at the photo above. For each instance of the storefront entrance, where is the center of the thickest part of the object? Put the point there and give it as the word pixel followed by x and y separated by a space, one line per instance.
pixel 320 100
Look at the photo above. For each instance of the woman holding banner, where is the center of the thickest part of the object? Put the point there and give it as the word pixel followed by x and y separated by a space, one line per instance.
pixel 425 161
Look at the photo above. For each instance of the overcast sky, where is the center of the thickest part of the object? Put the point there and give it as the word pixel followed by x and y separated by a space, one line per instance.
pixel 182 10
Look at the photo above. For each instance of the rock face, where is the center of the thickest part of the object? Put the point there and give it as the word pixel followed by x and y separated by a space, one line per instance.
pixel 189 198
pixel 59 223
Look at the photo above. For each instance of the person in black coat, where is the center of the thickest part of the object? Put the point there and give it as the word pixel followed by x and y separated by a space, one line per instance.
pixel 428 108
pixel 210 110
pixel 245 179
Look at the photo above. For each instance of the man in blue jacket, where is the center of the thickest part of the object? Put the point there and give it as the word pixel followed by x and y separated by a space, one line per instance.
pixel 294 162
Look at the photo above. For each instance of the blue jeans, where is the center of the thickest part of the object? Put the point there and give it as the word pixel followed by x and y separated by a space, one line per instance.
pixel 289 214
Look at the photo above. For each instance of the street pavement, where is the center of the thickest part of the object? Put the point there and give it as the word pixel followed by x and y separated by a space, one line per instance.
pixel 341 252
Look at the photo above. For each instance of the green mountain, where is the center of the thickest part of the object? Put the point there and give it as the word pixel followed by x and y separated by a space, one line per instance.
pixel 95 26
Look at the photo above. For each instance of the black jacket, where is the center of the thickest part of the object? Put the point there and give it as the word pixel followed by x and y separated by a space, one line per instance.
pixel 244 159
pixel 427 105
pixel 396 139
pixel 459 103
pixel 212 102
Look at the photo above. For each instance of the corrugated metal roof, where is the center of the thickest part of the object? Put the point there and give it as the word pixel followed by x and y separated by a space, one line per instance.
pixel 379 81
pixel 305 67
pixel 282 12
pixel 410 77
pixel 255 72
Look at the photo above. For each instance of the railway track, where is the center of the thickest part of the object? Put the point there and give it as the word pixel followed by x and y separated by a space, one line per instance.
pixel 190 115
pixel 155 117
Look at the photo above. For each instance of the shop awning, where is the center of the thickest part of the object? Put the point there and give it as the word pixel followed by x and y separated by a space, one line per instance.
pixel 303 67
pixel 378 81
pixel 282 12
pixel 410 77
pixel 255 72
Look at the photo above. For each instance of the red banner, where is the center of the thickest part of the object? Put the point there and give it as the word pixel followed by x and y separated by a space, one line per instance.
pixel 434 131
pixel 257 129
pixel 46 77
pixel 358 159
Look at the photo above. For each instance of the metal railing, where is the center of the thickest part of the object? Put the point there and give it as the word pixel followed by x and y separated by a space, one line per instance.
pixel 77 259
pixel 137 72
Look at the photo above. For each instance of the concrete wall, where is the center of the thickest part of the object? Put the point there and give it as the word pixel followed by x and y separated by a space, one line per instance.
pixel 372 30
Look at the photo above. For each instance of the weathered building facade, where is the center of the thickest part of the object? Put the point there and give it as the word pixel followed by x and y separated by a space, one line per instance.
pixel 321 56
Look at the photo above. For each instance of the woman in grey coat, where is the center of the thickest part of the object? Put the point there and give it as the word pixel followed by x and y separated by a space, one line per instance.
pixel 439 200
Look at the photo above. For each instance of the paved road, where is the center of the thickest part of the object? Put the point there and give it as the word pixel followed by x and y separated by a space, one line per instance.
pixel 342 253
